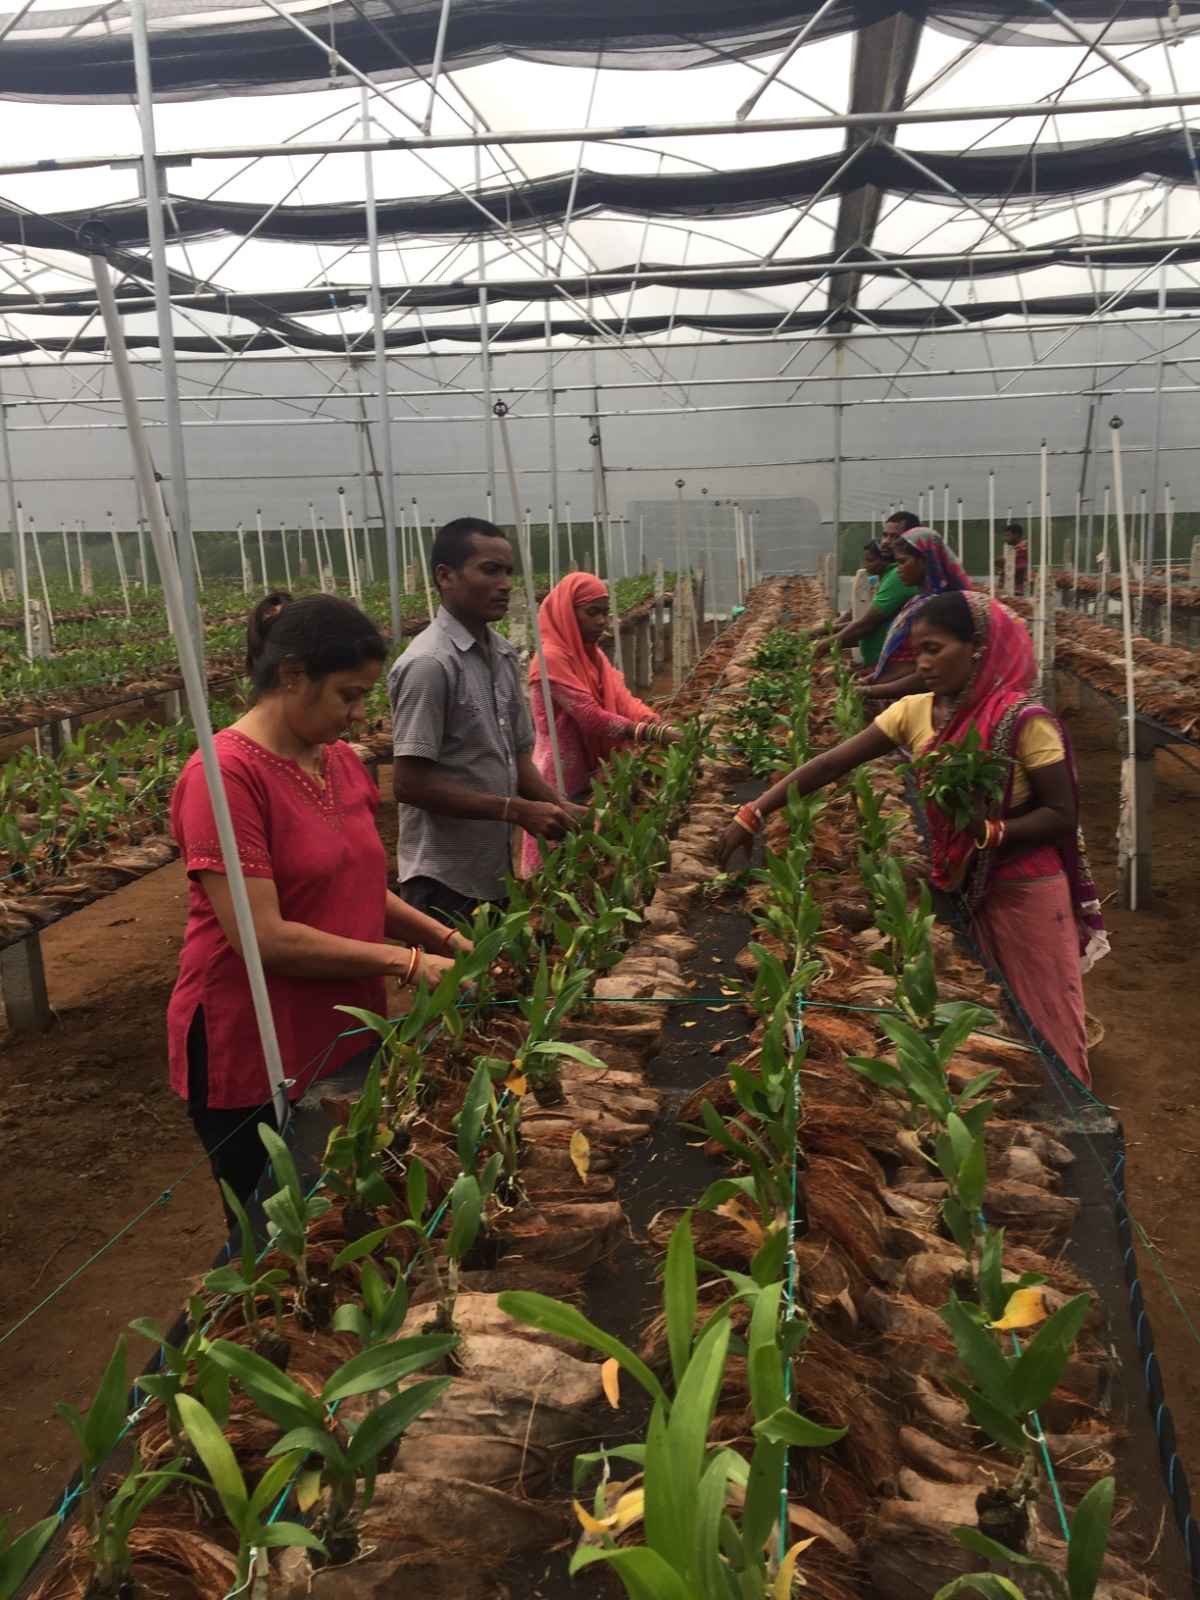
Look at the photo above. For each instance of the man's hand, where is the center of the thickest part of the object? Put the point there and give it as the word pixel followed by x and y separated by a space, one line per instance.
pixel 578 814
pixel 545 819
pixel 733 839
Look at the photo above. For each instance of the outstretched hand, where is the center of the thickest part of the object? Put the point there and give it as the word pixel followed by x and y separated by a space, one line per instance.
pixel 734 838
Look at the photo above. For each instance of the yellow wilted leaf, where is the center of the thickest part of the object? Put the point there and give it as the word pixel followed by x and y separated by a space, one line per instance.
pixel 630 1509
pixel 308 1490
pixel 516 1084
pixel 591 1524
pixel 610 1378
pixel 580 1152
pixel 751 1225
pixel 689 1024
pixel 1025 1309
pixel 785 1577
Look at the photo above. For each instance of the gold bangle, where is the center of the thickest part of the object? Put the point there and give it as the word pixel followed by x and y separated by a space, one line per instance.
pixel 413 961
pixel 507 808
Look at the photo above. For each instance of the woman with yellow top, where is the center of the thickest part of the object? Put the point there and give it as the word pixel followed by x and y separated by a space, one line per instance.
pixel 1020 868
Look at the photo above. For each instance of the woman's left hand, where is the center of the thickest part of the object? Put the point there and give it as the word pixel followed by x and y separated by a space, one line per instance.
pixel 733 839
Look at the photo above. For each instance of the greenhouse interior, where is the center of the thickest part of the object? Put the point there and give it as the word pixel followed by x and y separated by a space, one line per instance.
pixel 600 630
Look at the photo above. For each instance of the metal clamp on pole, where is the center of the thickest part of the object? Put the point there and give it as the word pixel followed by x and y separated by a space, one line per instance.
pixel 95 240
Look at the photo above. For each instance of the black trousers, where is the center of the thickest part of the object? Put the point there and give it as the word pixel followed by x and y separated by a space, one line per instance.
pixel 229 1134
pixel 438 900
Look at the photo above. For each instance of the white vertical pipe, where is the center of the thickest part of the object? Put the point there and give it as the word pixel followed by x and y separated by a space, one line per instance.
pixel 641 542
pixel 120 560
pixel 245 565
pixel 348 541
pixel 946 513
pixel 960 532
pixel 596 546
pixel 570 536
pixel 262 548
pixel 79 549
pixel 992 533
pixel 531 602
pixel 1044 563
pixel 552 531
pixel 195 688
pixel 1075 546
pixel 1127 637
pixel 381 378
pixel 312 517
pixel 1104 546
pixel 37 555
pixel 418 534
pixel 921 507
pixel 67 556
pixel 287 562
pixel 614 614
pixel 23 577
pixel 932 509
pixel 327 553
pixel 142 561
pixel 1169 530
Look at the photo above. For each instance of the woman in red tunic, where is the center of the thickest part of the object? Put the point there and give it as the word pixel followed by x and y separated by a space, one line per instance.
pixel 303 809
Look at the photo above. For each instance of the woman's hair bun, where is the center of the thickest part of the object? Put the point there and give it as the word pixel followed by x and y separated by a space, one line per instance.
pixel 259 623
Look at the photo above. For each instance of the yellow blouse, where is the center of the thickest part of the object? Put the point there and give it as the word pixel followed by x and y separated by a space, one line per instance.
pixel 909 723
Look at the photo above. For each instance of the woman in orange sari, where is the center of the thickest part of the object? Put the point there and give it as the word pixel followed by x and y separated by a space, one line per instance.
pixel 593 710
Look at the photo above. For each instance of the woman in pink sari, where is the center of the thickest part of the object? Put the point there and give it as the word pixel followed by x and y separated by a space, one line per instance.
pixel 593 710
pixel 1020 867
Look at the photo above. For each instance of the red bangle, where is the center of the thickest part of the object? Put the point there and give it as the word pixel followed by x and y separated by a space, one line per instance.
pixel 748 817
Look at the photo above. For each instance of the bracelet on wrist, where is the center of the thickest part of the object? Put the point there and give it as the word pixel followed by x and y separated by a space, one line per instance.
pixel 749 817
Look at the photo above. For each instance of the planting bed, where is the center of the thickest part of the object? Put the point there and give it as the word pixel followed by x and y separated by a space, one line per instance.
pixel 700 1057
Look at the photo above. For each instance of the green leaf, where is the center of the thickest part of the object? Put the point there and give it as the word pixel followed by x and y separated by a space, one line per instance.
pixel 365 1246
pixel 1089 1539
pixel 17 1558
pixel 991 1274
pixel 679 1296
pixel 1037 1370
pixel 707 1571
pixel 311 1441
pixel 273 1482
pixel 997 1424
pixel 786 1426
pixel 471 1117
pixel 644 1573
pixel 383 1026
pixel 383 1365
pixel 978 1351
pixel 586 1463
pixel 992 1550
pixel 282 1164
pixel 466 1209
pixel 669 1506
pixel 245 1235
pixel 279 1535
pixel 416 1188
pixel 764 1366
pixel 106 1415
pixel 988 1584
pixel 219 1460
pixel 387 1422
pixel 574 1051
pixel 264 1381
pixel 881 1073
pixel 351 1318
pixel 554 1316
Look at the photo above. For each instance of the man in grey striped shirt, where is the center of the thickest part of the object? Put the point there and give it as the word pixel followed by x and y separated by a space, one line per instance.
pixel 462 736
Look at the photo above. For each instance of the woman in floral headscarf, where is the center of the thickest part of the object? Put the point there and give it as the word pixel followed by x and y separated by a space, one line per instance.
pixel 923 562
pixel 593 710
pixel 1019 867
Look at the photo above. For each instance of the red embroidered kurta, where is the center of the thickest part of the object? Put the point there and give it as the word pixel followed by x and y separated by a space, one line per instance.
pixel 320 845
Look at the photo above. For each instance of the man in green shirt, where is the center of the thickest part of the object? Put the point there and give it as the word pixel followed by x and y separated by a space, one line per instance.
pixel 890 596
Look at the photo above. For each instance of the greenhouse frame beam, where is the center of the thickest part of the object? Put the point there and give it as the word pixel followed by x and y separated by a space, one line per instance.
pixel 619 133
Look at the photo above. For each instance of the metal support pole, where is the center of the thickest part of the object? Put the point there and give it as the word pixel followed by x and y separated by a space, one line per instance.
pixel 176 454
pixel 1043 569
pixel 348 541
pixel 961 537
pixel 1169 531
pixel 23 575
pixel 119 559
pixel 287 564
pixel 317 562
pixel 570 538
pixel 18 546
pixel 992 533
pixel 45 588
pixel 67 556
pixel 552 436
pixel 531 601
pixel 142 562
pixel 1127 638
pixel 419 543
pixel 381 378
pixel 485 354
pixel 171 570
pixel 245 565
pixel 79 550
pixel 839 356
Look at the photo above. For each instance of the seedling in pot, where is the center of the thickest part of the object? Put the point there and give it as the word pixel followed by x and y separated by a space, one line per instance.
pixel 249 1282
pixel 290 1214
pixel 353 1163
pixel 1086 1546
pixel 249 1512
pixel 918 1074
pixel 346 1477
pixel 185 1367
pixel 110 1515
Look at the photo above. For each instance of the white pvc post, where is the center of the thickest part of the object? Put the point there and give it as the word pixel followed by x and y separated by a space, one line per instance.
pixel 262 549
pixel 596 546
pixel 921 507
pixel 1127 637
pixel 120 559
pixel 552 531
pixel 613 614
pixel 960 532
pixel 348 541
pixel 312 518
pixel 1144 562
pixel 570 537
pixel 1169 521
pixel 241 538
pixel 287 562
pixel 67 556
pixel 641 542
pixel 946 513
pixel 992 533
pixel 1075 551
pixel 194 685
pixel 932 512
pixel 531 602
pixel 37 555
pixel 327 556
pixel 142 562
pixel 1104 548
pixel 624 522
pixel 418 534
pixel 79 549
pixel 23 575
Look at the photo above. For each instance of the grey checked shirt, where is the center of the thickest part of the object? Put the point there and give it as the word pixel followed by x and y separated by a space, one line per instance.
pixel 463 706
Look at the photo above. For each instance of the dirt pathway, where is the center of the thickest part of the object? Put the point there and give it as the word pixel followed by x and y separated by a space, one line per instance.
pixel 1147 994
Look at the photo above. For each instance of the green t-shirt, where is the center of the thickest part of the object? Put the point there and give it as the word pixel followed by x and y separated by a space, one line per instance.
pixel 890 597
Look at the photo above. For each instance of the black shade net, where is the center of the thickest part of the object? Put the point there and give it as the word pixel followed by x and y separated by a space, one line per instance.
pixel 1016 173
pixel 889 318
pixel 1084 253
pixel 210 47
